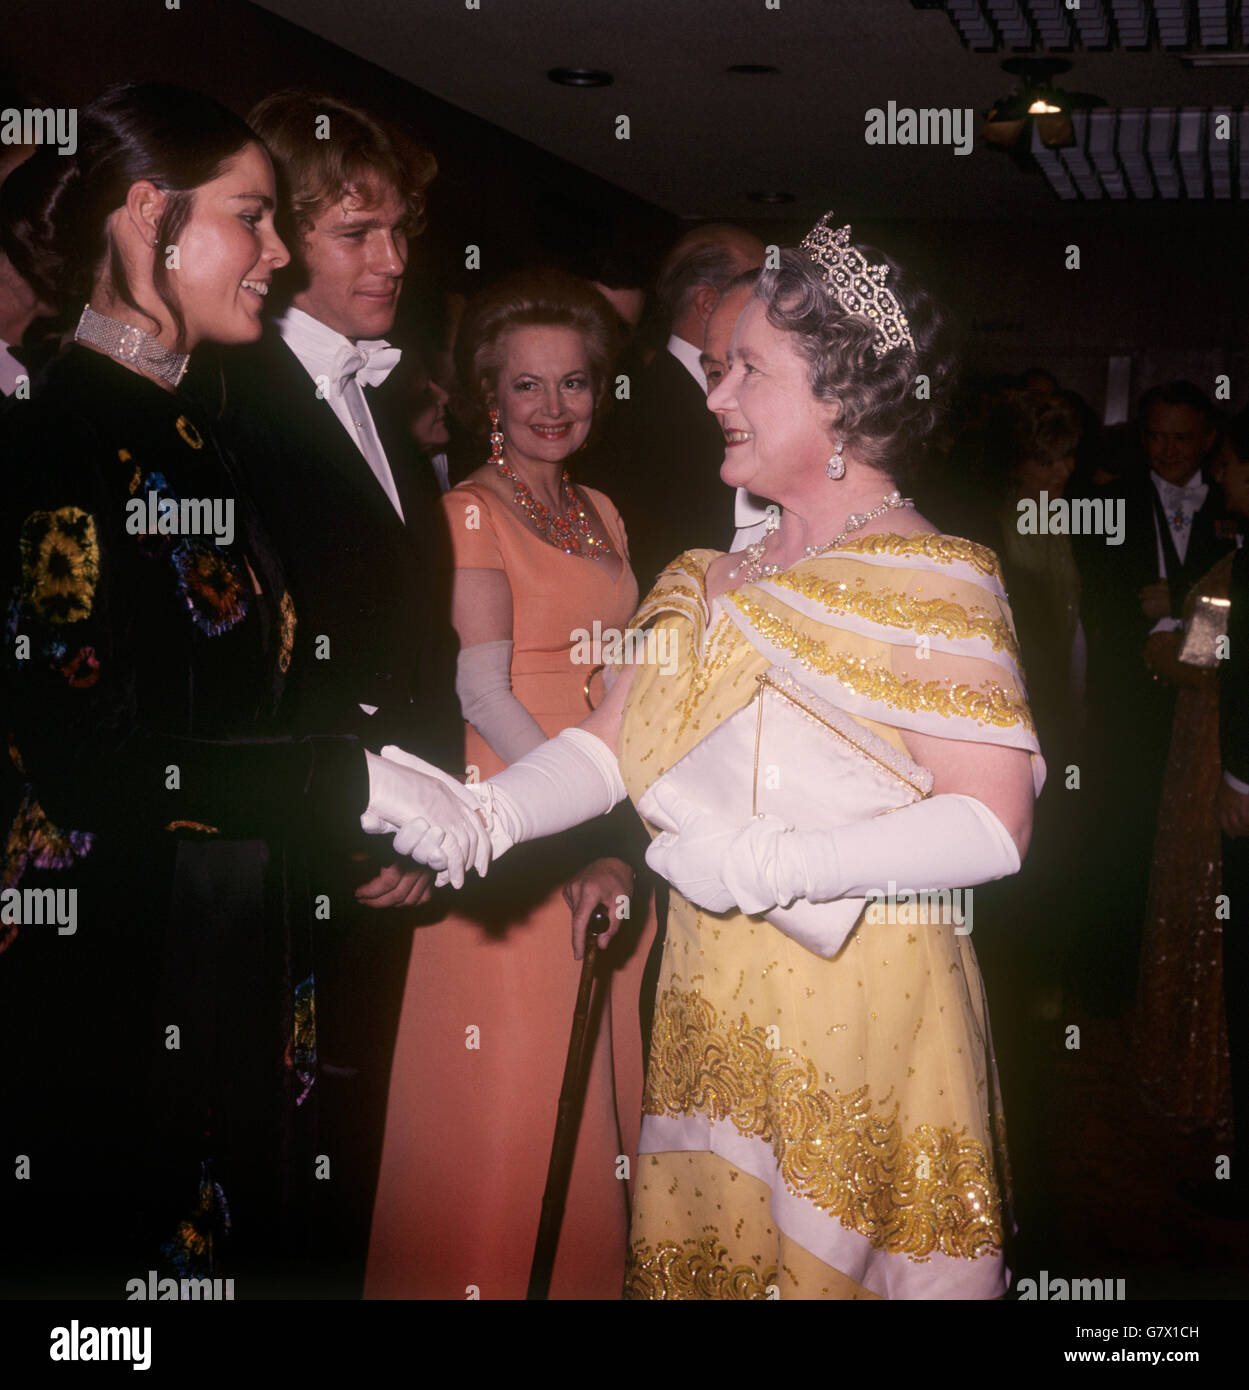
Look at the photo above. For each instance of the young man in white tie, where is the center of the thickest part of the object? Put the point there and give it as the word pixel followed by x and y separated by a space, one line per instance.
pixel 341 488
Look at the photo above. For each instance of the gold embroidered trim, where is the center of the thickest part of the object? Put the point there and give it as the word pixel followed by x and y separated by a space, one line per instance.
pixel 682 602
pixel 694 1269
pixel 708 665
pixel 833 1148
pixel 692 562
pixel 936 616
pixel 679 586
pixel 60 564
pixel 993 704
pixel 193 825
pixel 943 550
pixel 287 638
pixel 188 433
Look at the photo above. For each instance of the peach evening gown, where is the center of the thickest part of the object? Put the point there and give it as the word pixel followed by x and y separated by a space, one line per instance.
pixel 490 991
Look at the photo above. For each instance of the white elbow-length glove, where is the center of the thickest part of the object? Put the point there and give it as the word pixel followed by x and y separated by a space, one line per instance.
pixel 565 781
pixel 945 841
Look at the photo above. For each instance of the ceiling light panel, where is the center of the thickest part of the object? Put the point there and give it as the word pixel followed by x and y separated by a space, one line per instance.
pixel 1213 28
pixel 985 25
pixel 1163 152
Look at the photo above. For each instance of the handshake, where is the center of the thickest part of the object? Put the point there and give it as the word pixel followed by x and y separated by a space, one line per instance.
pixel 453 827
pixel 448 825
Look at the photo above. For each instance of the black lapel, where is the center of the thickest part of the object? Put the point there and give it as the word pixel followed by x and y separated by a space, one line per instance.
pixel 1205 543
pixel 412 472
pixel 319 435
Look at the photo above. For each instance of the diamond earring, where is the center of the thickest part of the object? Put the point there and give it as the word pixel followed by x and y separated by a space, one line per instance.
pixel 496 437
pixel 836 466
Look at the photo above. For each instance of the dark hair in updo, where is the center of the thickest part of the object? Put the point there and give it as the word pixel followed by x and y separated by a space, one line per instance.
pixel 54 209
pixel 879 414
pixel 531 298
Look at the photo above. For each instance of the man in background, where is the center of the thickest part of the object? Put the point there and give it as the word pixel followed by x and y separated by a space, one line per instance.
pixel 661 459
pixel 1173 531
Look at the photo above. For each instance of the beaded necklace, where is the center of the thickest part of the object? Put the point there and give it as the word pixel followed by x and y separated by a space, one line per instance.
pixel 568 531
pixel 752 567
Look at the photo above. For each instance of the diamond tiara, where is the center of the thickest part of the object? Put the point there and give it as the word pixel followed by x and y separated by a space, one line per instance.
pixel 859 287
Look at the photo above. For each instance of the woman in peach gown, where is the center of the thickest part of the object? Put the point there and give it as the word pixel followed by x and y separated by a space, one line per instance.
pixel 490 991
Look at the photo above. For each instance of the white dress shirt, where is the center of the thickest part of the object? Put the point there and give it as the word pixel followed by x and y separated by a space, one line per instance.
pixel 10 370
pixel 441 465
pixel 748 511
pixel 751 517
pixel 688 356
pixel 318 346
pixel 1180 505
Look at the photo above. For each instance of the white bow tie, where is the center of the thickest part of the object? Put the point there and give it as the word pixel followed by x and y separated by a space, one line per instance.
pixel 1193 492
pixel 370 362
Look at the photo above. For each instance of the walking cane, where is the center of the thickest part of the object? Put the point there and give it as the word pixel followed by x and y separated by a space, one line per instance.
pixel 567 1120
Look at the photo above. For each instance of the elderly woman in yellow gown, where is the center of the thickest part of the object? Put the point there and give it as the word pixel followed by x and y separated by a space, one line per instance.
pixel 843 743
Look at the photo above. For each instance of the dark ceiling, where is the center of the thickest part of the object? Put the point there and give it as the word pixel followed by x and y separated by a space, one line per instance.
pixel 701 138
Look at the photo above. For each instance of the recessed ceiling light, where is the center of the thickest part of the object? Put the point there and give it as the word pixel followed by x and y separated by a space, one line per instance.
pixel 580 77
pixel 752 69
pixel 772 196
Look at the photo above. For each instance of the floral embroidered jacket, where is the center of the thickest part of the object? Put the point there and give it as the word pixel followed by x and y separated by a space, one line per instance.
pixel 148 631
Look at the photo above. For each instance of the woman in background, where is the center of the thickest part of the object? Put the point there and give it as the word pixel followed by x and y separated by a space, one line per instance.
pixel 491 988
pixel 1179 1027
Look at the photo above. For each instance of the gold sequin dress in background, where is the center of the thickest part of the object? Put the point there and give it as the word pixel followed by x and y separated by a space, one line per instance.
pixel 1179 1027
pixel 825 1128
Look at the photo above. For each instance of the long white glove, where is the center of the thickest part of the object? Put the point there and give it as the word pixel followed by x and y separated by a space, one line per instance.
pixel 483 681
pixel 945 841
pixel 570 779
pixel 450 834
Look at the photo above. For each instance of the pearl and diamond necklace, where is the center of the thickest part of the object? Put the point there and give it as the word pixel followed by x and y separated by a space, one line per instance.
pixel 752 566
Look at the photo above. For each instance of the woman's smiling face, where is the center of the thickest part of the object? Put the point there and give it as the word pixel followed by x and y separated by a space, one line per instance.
pixel 777 435
pixel 544 396
pixel 228 251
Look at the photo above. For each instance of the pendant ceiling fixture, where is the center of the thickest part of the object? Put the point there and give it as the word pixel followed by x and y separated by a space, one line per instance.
pixel 1036 103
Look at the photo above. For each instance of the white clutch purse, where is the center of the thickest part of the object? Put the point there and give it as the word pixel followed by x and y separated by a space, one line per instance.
pixel 791 754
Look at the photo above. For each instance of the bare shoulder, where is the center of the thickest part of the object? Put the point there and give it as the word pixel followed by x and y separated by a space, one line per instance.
pixel 898 523
pixel 602 504
pixel 486 479
pixel 601 500
pixel 906 522
pixel 484 486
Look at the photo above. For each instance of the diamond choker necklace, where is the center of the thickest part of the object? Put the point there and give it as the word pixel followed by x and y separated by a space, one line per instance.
pixel 132 345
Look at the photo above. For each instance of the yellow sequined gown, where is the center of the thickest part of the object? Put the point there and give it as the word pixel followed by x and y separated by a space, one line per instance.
pixel 824 1128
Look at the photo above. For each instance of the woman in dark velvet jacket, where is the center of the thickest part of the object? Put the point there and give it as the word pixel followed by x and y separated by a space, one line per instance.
pixel 157 1022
